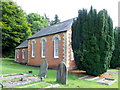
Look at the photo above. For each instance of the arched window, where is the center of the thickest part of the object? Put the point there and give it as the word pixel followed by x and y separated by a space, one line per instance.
pixel 33 48
pixel 17 53
pixel 56 48
pixel 23 54
pixel 43 48
pixel 72 55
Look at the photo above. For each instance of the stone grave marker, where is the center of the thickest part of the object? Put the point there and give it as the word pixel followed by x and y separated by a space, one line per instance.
pixel 107 81
pixel 61 73
pixel 17 79
pixel 1 86
pixel 43 69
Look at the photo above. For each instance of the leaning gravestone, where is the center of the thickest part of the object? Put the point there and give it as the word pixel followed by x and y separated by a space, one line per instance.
pixel 62 73
pixel 43 69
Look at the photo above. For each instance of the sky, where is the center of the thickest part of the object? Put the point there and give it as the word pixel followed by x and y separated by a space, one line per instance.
pixel 67 9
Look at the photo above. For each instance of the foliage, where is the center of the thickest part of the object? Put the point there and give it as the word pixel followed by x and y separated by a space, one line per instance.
pixel 115 61
pixel 15 28
pixel 56 20
pixel 93 41
pixel 37 22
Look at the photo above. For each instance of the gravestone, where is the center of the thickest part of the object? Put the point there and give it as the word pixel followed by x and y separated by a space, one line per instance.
pixel 1 85
pixel 61 73
pixel 43 69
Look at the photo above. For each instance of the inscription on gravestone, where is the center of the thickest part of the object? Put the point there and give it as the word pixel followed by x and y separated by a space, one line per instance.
pixel 61 73
pixel 43 69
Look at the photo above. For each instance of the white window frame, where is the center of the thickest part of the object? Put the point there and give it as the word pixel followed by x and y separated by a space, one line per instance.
pixel 33 52
pixel 17 53
pixel 43 56
pixel 23 54
pixel 55 48
pixel 72 55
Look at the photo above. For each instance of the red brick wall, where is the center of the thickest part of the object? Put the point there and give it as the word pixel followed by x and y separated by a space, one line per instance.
pixel 37 60
pixel 52 62
pixel 20 59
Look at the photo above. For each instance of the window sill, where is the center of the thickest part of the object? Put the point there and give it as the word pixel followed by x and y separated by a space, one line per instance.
pixel 33 56
pixel 56 57
pixel 43 57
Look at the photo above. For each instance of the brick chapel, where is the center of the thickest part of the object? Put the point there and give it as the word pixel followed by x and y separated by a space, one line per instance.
pixel 52 43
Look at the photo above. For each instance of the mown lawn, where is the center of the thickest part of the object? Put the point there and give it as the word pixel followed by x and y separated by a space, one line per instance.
pixel 9 66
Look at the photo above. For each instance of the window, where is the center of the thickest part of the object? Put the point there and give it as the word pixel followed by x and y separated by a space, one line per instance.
pixel 43 48
pixel 23 54
pixel 56 49
pixel 56 39
pixel 17 53
pixel 72 55
pixel 33 48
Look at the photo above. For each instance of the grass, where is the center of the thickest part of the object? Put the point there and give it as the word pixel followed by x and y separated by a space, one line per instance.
pixel 9 66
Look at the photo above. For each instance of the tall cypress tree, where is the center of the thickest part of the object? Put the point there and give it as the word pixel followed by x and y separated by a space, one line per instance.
pixel 93 41
pixel 77 41
pixel 115 61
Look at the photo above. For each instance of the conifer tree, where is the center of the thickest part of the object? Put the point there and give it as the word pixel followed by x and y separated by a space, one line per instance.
pixel 55 21
pixel 93 41
pixel 115 61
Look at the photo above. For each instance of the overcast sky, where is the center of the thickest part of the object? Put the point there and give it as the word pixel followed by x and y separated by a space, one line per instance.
pixel 67 9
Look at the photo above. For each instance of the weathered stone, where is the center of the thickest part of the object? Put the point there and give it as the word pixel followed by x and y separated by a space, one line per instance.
pixel 43 69
pixel 62 73
pixel 12 76
pixel 18 80
pixel 106 81
pixel 52 86
pixel 89 78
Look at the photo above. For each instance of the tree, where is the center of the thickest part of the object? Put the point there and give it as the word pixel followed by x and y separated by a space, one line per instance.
pixel 56 20
pixel 93 41
pixel 46 17
pixel 37 22
pixel 115 61
pixel 15 28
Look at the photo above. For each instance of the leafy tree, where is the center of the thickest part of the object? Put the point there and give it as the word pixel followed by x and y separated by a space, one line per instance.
pixel 115 61
pixel 93 41
pixel 56 20
pixel 37 22
pixel 15 28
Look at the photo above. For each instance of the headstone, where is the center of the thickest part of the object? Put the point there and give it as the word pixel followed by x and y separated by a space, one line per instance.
pixel 43 69
pixel 1 85
pixel 62 73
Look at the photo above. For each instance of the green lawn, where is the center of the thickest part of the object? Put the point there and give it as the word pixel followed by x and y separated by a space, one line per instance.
pixel 9 66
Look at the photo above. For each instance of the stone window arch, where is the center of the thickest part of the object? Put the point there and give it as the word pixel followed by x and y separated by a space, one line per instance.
pixel 56 36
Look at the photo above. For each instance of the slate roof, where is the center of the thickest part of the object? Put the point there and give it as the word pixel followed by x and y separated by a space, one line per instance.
pixel 54 29
pixel 23 44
